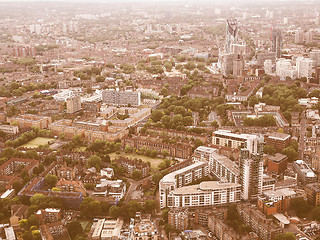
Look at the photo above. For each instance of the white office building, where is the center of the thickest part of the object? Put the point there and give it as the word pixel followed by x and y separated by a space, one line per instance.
pixel 268 66
pixel 285 69
pixel 233 140
pixel 304 67
pixel 209 193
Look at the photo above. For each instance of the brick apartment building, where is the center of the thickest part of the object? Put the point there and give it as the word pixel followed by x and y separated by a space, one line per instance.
pixel 89 131
pixel 220 229
pixel 175 150
pixel 277 201
pixel 178 219
pixel 131 165
pixel 264 227
pixel 29 120
pixel 71 200
pixel 313 193
pixel 48 215
pixel 12 165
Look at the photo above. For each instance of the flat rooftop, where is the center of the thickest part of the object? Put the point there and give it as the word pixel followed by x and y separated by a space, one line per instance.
pixel 204 186
pixel 171 176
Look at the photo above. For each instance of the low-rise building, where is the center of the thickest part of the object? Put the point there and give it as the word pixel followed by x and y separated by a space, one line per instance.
pixel 233 140
pixel 9 129
pixel 121 98
pixel 71 186
pixel 144 229
pixel 208 193
pixel 12 165
pixel 37 185
pixel 9 232
pixel 18 212
pixel 89 131
pixel 48 215
pixel 106 229
pixel 131 165
pixel 178 219
pixel 28 120
pixel 278 140
pixel 264 227
pixel 107 172
pixel 304 172
pixel 277 163
pixel 220 229
pixel 183 150
pixel 313 193
pixel 277 201
pixel 107 188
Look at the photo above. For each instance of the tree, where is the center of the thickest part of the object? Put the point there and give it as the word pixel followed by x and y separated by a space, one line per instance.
pixel 156 115
pixel 37 199
pixel 33 228
pixel 166 121
pixel 100 78
pixel 269 149
pixel 17 186
pixel 27 235
pixel 253 100
pixel 36 235
pixel 95 161
pixel 128 149
pixel 290 152
pixel 51 180
pixel 131 208
pixel 114 211
pixel 315 213
pixel 33 221
pixel 23 223
pixel 156 178
pixel 150 205
pixel 215 124
pixel 74 229
pixel 136 175
pixel 300 206
pixel 153 153
pixel 165 154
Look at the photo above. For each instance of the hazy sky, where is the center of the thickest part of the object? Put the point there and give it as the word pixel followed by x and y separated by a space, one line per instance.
pixel 186 1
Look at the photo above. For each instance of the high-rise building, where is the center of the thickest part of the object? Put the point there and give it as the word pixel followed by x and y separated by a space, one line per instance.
pixel 276 42
pixel 298 36
pixel 285 69
pixel 238 65
pixel 268 66
pixel 73 104
pixel 231 34
pixel 227 63
pixel 317 75
pixel 251 173
pixel 304 67
pixel 315 57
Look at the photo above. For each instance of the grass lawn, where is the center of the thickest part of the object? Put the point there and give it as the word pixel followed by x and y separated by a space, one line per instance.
pixel 154 161
pixel 84 224
pixel 37 142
